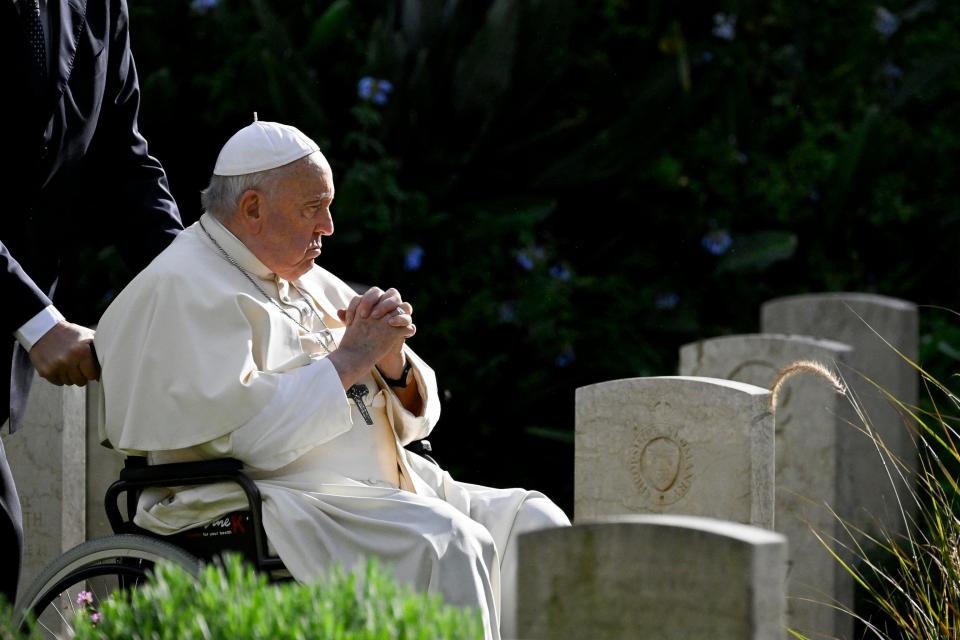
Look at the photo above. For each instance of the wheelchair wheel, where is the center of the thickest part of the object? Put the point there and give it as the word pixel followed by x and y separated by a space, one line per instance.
pixel 99 567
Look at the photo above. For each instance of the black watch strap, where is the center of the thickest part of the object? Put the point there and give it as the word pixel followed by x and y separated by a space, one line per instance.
pixel 400 382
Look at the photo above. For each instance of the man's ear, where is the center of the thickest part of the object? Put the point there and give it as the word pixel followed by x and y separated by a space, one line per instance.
pixel 250 211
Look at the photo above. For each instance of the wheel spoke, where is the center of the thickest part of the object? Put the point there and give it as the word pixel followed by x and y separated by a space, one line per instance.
pixel 48 629
pixel 66 624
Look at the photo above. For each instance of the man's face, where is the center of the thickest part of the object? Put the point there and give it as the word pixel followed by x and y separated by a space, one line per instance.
pixel 296 216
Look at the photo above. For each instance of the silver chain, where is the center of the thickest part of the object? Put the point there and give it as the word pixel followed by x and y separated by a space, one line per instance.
pixel 328 335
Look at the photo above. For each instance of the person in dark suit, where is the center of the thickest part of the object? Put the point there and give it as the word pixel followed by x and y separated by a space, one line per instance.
pixel 78 173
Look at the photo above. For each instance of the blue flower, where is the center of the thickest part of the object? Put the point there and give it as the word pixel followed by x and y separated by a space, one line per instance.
pixel 565 357
pixel 560 272
pixel 892 74
pixel 203 5
pixel 892 71
pixel 413 258
pixel 365 87
pixel 725 26
pixel 374 90
pixel 885 23
pixel 508 312
pixel 383 90
pixel 525 261
pixel 717 242
pixel 666 301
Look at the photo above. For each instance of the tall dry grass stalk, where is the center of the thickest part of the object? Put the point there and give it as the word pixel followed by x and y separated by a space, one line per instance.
pixel 910 581
pixel 804 366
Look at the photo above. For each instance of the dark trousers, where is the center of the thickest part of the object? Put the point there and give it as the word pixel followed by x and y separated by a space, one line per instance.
pixel 11 520
pixel 11 532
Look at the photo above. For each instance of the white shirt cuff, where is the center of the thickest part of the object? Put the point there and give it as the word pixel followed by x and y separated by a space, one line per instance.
pixel 37 326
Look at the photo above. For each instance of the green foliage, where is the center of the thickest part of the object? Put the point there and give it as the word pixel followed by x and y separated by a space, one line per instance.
pixel 9 627
pixel 234 602
pixel 543 178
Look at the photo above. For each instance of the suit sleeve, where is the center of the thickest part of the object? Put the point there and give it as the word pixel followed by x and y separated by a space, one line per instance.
pixel 145 213
pixel 24 299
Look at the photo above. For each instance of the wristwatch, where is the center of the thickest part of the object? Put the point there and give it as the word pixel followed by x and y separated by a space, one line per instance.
pixel 400 382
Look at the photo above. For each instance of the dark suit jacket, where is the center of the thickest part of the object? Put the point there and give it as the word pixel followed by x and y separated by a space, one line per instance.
pixel 80 173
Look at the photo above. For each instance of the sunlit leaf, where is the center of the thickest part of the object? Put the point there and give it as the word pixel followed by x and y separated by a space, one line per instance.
pixel 758 251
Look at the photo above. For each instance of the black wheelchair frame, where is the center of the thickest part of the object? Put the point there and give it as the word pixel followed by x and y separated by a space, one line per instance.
pixel 137 476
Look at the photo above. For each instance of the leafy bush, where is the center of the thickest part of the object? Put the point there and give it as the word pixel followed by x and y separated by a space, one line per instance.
pixel 234 602
pixel 9 623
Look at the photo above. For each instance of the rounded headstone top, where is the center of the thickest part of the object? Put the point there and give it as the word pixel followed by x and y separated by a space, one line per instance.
pixel 852 297
pixel 747 338
pixel 697 382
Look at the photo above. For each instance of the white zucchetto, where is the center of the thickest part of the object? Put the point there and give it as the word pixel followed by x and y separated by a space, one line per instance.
pixel 261 146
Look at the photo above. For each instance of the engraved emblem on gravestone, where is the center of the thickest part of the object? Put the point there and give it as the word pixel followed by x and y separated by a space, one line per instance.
pixel 660 463
pixel 762 374
pixel 661 466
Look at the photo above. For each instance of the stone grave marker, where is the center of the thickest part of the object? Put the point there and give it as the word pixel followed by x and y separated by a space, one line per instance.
pixel 696 446
pixel 103 468
pixel 653 576
pixel 47 456
pixel 811 423
pixel 864 482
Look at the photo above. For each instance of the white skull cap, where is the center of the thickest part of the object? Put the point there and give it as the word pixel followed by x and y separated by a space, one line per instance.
pixel 261 146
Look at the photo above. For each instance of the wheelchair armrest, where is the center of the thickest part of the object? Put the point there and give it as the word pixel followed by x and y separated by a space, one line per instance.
pixel 160 474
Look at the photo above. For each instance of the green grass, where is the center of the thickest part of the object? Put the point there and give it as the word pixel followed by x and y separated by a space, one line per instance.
pixel 909 583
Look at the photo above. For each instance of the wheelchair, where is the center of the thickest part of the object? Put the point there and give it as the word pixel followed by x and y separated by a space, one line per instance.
pixel 122 561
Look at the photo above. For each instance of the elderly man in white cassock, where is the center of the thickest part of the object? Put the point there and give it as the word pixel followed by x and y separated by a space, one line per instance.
pixel 234 343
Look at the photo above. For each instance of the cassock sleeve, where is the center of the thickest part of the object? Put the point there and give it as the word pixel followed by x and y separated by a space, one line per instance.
pixel 286 428
pixel 410 427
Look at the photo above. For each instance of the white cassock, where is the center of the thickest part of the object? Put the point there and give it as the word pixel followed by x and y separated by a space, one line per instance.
pixel 198 364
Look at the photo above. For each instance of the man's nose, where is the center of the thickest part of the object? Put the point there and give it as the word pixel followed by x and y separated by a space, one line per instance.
pixel 325 226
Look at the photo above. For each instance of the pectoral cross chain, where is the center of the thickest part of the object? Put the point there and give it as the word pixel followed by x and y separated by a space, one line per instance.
pixel 357 393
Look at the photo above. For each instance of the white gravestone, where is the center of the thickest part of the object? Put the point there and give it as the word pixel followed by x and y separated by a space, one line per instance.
pixel 48 459
pixel 103 468
pixel 644 577
pixel 863 480
pixel 695 446
pixel 811 422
